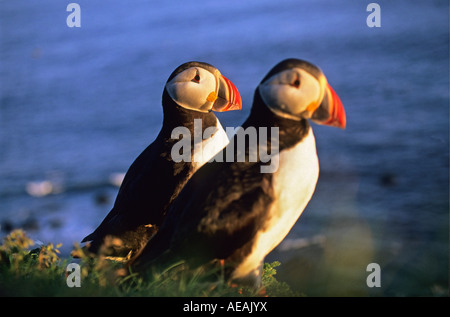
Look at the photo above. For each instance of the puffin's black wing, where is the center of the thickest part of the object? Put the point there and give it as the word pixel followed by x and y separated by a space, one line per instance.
pixel 147 189
pixel 136 176
pixel 218 211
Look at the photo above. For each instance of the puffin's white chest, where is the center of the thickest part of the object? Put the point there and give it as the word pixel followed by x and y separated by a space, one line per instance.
pixel 293 183
pixel 210 146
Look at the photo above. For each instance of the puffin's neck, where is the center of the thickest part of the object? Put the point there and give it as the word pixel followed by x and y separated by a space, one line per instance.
pixel 290 131
pixel 177 116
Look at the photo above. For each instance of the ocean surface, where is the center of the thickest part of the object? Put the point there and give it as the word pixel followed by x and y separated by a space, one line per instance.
pixel 78 105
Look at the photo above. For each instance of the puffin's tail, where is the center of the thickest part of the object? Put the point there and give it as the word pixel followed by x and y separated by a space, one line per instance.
pixel 92 245
pixel 89 237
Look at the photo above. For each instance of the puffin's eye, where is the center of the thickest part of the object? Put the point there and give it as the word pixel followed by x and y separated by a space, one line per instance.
pixel 196 79
pixel 296 83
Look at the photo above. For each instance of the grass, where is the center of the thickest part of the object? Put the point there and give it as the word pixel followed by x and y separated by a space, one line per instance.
pixel 27 271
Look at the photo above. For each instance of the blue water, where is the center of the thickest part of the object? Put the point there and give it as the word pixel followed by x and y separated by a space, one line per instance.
pixel 79 104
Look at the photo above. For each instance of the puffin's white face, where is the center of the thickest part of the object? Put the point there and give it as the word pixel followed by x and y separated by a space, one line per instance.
pixel 293 93
pixel 194 88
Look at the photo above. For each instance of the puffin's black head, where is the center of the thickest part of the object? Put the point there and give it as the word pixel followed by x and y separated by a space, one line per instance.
pixel 295 89
pixel 201 87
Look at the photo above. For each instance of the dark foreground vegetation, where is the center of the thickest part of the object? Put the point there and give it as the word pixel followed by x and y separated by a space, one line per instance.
pixel 27 269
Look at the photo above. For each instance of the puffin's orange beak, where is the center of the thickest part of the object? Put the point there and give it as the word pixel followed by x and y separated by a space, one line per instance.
pixel 336 110
pixel 331 111
pixel 228 97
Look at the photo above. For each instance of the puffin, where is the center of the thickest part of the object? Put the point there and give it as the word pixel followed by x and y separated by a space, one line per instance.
pixel 232 214
pixel 192 92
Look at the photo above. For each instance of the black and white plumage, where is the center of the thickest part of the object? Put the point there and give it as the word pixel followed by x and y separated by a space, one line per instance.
pixel 230 210
pixel 153 181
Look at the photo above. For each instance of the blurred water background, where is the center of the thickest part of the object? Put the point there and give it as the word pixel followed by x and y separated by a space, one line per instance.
pixel 77 105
